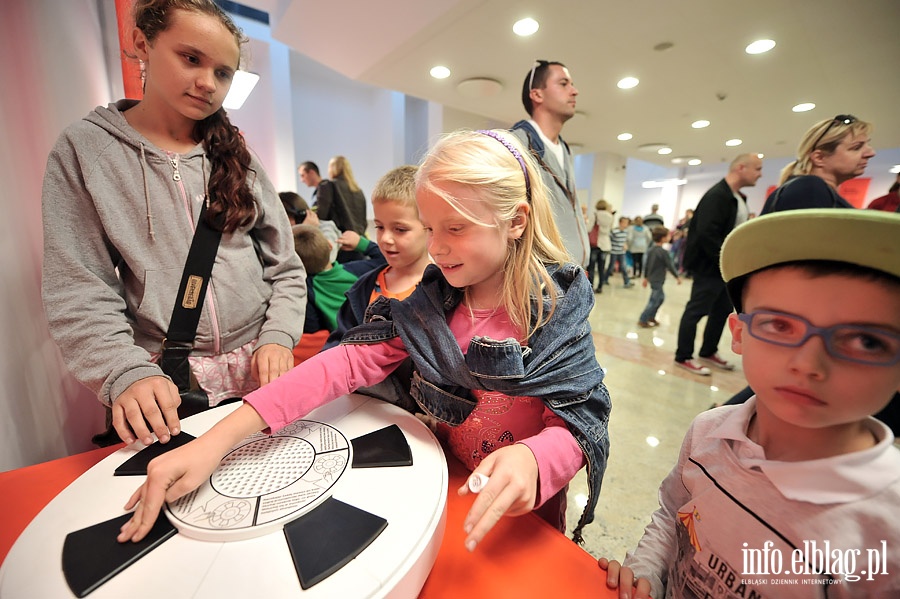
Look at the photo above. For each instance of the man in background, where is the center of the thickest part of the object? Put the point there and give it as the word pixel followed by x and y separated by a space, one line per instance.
pixel 326 199
pixel 654 219
pixel 548 96
pixel 721 209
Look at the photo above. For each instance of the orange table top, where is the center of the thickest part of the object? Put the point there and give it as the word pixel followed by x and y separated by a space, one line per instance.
pixel 520 557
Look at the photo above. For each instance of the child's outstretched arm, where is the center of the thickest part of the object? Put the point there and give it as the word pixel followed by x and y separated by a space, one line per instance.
pixel 182 470
pixel 511 490
pixel 622 578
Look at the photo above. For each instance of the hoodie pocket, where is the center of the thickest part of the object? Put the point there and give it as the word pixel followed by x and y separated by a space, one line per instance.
pixel 242 296
pixel 154 307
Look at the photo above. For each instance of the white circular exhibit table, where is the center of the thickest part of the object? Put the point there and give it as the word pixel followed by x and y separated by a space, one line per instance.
pixel 218 555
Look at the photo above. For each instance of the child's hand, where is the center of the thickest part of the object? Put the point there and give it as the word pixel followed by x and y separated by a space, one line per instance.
pixel 311 219
pixel 348 241
pixel 269 362
pixel 622 578
pixel 185 468
pixel 678 280
pixel 154 401
pixel 511 490
pixel 644 283
pixel 169 476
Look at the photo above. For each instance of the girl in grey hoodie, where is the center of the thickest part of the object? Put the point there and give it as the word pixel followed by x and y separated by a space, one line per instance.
pixel 122 195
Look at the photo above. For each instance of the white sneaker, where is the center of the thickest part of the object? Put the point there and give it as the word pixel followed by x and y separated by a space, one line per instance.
pixel 692 366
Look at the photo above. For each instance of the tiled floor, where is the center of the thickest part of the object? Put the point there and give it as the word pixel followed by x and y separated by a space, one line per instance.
pixel 653 404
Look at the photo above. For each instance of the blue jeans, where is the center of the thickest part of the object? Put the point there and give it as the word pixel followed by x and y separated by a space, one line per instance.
pixel 613 260
pixel 657 297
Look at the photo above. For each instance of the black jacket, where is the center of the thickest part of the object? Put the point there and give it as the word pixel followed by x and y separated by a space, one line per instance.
pixel 713 221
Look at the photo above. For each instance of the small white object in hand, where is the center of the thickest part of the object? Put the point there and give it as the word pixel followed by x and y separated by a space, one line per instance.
pixel 477 482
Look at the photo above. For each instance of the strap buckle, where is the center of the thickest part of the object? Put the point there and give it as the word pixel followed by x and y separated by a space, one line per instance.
pixel 170 344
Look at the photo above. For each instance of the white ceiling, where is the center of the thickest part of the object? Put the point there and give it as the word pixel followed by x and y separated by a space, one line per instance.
pixel 844 55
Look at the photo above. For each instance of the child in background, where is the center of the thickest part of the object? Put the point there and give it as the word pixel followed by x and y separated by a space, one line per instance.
pixel 638 242
pixel 498 331
pixel 299 213
pixel 657 263
pixel 123 193
pixel 800 471
pixel 404 243
pixel 618 238
pixel 327 281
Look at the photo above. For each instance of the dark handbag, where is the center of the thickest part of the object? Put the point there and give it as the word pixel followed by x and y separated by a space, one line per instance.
pixel 179 341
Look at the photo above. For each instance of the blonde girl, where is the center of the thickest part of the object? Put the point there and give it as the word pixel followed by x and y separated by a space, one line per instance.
pixel 497 331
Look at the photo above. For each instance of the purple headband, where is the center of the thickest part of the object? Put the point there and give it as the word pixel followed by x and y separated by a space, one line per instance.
pixel 515 154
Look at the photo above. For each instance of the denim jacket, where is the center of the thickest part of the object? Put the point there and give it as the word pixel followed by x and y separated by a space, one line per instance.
pixel 558 365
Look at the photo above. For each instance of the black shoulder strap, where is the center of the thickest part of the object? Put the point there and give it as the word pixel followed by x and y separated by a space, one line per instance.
pixel 194 281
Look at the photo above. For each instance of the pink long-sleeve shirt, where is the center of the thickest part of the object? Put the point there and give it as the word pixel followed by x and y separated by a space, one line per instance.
pixel 497 420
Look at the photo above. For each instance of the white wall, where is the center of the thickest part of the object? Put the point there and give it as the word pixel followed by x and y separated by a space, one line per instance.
pixel 334 115
pixel 50 79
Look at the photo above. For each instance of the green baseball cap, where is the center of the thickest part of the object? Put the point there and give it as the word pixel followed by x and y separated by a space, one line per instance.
pixel 869 238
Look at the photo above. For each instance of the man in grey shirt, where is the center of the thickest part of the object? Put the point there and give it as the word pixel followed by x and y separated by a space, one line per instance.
pixel 548 96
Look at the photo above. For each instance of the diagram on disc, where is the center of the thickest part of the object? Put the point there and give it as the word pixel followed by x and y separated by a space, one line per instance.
pixel 265 482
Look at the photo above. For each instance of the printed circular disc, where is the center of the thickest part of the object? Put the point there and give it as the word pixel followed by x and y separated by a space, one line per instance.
pixel 265 482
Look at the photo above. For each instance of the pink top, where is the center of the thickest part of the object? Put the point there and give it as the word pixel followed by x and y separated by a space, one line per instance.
pixel 497 420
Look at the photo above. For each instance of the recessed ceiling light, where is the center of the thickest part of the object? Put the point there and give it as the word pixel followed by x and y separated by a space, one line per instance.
pixel 664 151
pixel 628 82
pixel 440 72
pixel 683 159
pixel 734 142
pixel 479 87
pixel 652 147
pixel 624 136
pixel 700 124
pixel 895 169
pixel 803 107
pixel 526 27
pixel 759 46
pixel 695 161
pixel 760 155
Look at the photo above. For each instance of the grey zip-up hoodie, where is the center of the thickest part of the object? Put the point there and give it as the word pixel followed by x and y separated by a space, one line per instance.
pixel 119 216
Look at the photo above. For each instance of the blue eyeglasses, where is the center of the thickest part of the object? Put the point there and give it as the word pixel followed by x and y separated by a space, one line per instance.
pixel 875 346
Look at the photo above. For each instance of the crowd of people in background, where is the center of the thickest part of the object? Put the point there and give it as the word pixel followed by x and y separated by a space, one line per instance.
pixel 622 248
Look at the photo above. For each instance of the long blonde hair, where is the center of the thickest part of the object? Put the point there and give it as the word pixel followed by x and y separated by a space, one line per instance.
pixel 831 132
pixel 339 168
pixel 490 168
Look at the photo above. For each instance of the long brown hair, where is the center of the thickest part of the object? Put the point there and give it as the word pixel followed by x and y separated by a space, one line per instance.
pixel 231 203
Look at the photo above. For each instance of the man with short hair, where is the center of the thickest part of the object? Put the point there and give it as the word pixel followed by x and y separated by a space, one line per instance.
pixel 326 199
pixel 721 209
pixel 654 219
pixel 548 96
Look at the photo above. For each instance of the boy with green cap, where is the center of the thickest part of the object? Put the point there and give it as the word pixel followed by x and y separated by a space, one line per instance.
pixel 796 492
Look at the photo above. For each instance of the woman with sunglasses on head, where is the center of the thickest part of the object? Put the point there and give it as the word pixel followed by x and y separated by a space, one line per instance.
pixel 831 152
